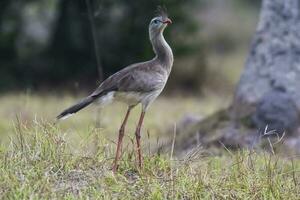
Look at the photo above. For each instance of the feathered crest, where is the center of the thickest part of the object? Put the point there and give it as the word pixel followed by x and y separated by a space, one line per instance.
pixel 161 11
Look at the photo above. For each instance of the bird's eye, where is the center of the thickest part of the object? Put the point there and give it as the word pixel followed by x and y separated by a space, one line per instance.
pixel 155 21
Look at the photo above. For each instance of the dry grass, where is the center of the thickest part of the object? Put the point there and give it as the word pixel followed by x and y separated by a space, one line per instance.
pixel 162 114
pixel 72 160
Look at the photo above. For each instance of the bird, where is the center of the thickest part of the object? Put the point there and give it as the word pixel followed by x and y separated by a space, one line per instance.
pixel 139 83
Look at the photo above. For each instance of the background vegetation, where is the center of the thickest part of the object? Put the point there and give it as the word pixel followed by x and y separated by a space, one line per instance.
pixel 49 43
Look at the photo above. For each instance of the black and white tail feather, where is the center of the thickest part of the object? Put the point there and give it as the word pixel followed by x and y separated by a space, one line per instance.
pixel 75 108
pixel 103 97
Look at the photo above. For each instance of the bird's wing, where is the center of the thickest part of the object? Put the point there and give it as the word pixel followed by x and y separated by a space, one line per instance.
pixel 108 85
pixel 141 80
pixel 141 77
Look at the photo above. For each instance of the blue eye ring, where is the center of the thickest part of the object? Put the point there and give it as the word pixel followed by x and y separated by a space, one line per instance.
pixel 156 21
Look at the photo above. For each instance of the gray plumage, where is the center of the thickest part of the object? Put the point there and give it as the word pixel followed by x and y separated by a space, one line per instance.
pixel 140 82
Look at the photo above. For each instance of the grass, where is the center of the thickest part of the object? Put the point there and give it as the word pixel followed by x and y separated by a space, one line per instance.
pixel 40 160
pixel 162 114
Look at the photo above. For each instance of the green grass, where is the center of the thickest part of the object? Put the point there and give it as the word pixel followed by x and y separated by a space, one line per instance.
pixel 72 160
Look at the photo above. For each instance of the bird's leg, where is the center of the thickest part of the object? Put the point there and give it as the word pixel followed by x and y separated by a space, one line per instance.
pixel 138 137
pixel 120 139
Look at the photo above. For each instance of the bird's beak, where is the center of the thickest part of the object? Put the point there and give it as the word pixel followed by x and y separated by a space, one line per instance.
pixel 168 21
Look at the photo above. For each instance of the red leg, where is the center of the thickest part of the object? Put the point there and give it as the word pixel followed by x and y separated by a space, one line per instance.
pixel 121 135
pixel 138 137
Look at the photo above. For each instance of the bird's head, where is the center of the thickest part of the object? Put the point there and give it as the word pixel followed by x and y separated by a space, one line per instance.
pixel 159 23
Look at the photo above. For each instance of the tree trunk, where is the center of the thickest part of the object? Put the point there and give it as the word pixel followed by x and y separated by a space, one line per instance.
pixel 269 88
pixel 268 94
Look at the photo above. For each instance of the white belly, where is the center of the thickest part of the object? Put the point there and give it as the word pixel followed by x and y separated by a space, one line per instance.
pixel 130 98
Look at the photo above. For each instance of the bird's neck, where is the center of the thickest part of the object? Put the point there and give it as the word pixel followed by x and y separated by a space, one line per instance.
pixel 163 51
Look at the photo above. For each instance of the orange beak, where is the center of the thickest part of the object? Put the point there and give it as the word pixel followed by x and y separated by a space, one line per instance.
pixel 168 21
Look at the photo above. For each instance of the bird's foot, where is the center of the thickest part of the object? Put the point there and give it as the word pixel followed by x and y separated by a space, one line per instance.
pixel 115 168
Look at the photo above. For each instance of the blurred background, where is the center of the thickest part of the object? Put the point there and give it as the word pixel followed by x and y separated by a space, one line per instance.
pixel 48 59
pixel 48 46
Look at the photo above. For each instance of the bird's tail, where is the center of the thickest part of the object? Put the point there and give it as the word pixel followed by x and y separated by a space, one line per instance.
pixel 75 108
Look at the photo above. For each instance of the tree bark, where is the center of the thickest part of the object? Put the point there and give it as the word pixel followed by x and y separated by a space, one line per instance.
pixel 271 79
pixel 274 59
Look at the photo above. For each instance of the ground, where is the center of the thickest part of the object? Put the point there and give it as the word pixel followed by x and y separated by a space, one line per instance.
pixel 40 159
